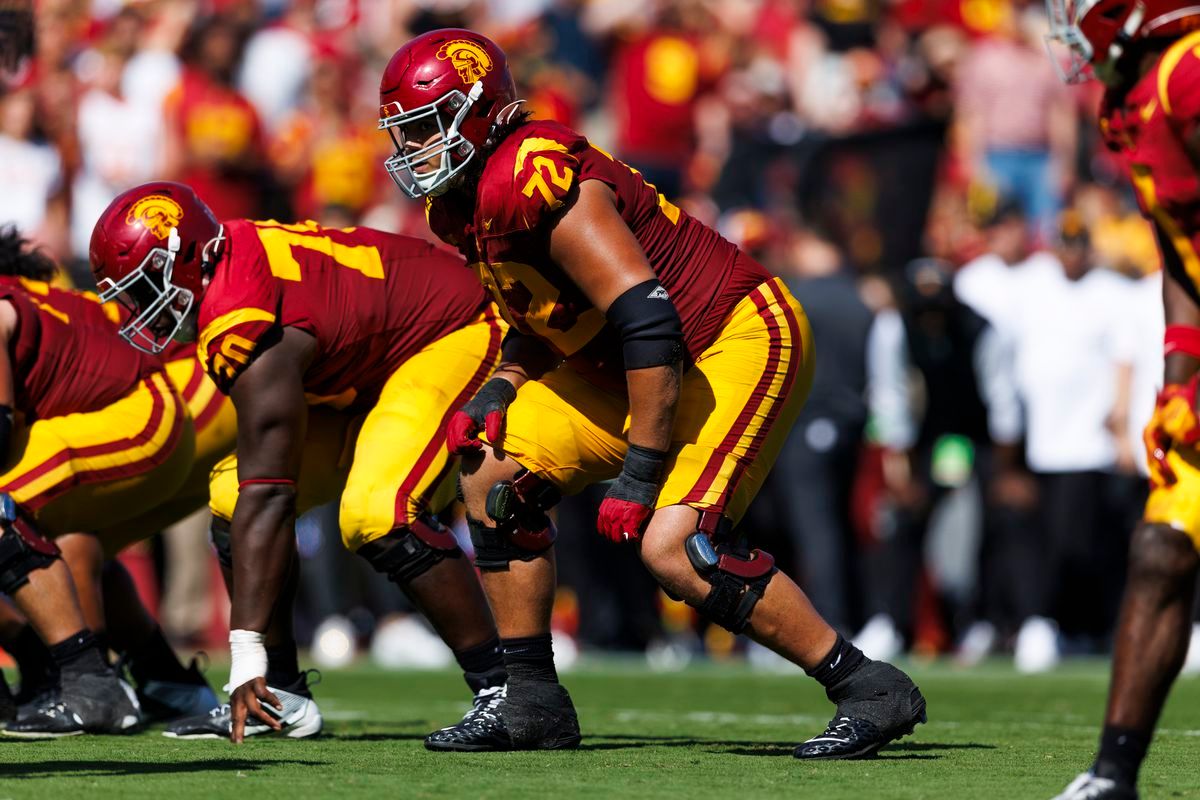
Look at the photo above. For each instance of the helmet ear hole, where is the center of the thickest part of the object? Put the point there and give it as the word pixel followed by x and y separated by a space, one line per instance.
pixel 191 252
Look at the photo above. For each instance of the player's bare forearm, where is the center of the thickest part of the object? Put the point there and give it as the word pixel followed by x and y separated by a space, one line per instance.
pixel 263 540
pixel 272 417
pixel 653 397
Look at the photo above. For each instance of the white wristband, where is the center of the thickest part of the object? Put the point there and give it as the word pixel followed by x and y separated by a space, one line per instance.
pixel 248 658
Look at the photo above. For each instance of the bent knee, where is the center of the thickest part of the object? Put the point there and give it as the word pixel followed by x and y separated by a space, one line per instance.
pixel 479 473
pixel 1160 552
pixel 668 563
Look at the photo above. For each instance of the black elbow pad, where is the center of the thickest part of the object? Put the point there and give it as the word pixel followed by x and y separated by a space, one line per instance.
pixel 650 328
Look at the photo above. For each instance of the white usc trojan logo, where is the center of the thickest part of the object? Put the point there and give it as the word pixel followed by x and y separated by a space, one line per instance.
pixel 157 213
pixel 471 60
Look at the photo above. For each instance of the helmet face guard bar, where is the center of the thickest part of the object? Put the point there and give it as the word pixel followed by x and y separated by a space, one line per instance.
pixel 1084 62
pixel 404 164
pixel 1064 32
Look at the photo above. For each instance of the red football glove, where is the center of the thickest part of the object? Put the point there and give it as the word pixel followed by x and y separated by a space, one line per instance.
pixel 1174 424
pixel 622 520
pixel 629 503
pixel 485 411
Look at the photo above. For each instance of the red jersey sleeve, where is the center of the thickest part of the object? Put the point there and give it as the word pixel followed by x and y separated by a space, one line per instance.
pixel 240 311
pixel 542 180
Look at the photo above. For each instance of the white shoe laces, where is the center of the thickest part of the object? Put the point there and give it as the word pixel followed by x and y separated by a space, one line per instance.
pixel 486 703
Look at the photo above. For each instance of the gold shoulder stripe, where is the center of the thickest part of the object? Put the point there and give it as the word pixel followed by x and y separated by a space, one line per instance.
pixel 226 321
pixel 1167 64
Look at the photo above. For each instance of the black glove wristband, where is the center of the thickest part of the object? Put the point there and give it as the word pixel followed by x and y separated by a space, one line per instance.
pixel 495 395
pixel 644 464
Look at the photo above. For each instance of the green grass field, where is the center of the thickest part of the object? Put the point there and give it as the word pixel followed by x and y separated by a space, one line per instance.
pixel 712 731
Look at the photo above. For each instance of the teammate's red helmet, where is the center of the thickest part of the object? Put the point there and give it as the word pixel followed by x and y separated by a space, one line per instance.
pixel 150 250
pixel 1098 31
pixel 439 97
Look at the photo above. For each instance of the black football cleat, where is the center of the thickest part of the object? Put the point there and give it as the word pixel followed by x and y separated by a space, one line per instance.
pixel 92 703
pixel 539 715
pixel 480 729
pixel 1091 787
pixel 165 701
pixel 876 704
pixel 523 715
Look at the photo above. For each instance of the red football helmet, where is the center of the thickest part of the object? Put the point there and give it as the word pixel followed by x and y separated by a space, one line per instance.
pixel 150 251
pixel 1098 31
pixel 440 96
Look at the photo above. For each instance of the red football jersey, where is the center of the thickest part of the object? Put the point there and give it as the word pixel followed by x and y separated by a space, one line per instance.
pixel 371 300
pixel 67 356
pixel 526 184
pixel 1149 127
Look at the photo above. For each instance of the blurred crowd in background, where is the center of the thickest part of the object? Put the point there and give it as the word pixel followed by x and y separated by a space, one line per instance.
pixel 984 297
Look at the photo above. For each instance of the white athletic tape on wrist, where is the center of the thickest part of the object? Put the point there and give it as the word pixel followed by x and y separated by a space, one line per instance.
pixel 248 658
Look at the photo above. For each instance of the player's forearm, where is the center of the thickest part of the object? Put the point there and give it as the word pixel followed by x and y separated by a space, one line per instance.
pixel 263 539
pixel 653 397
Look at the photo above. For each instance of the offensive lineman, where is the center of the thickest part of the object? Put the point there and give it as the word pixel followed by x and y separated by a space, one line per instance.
pixel 344 352
pixel 1146 52
pixel 643 347
pixel 91 434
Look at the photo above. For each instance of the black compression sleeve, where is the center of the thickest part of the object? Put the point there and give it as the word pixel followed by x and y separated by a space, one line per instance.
pixel 650 328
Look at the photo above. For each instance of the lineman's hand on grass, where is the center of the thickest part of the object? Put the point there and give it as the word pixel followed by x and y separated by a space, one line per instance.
pixel 248 702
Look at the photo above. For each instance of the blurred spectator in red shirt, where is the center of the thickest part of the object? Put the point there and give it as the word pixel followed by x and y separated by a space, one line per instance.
pixel 214 140
pixel 659 74
pixel 323 152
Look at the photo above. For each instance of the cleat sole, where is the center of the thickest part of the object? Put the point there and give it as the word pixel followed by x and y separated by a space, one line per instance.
pixel 23 735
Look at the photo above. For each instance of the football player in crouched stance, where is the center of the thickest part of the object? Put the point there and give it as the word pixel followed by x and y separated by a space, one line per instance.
pixel 1147 52
pixel 92 436
pixel 644 348
pixel 345 353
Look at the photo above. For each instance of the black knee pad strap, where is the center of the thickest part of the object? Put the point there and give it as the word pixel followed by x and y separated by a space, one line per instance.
pixel 407 553
pixel 22 548
pixel 737 574
pixel 220 531
pixel 495 548
pixel 732 599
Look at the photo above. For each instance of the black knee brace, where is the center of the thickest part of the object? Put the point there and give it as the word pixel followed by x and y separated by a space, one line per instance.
pixel 22 548
pixel 738 575
pixel 220 532
pixel 406 553
pixel 522 530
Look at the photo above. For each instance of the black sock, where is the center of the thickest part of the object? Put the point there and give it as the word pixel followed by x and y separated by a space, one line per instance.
pixel 1121 753
pixel 530 657
pixel 154 659
pixel 482 665
pixel 842 660
pixel 33 660
pixel 283 665
pixel 79 654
